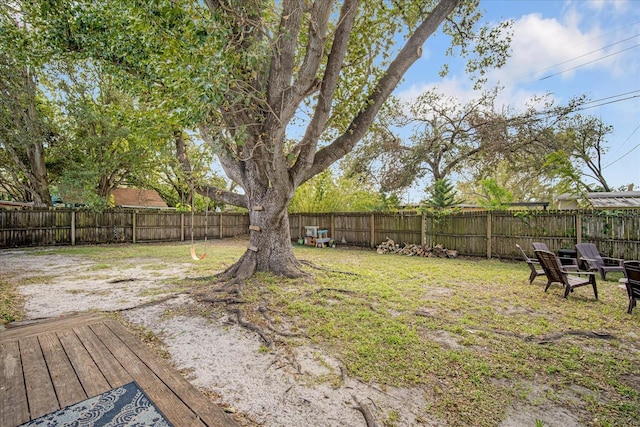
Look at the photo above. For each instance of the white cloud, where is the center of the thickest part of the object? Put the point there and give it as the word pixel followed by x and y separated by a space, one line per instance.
pixel 607 5
pixel 542 46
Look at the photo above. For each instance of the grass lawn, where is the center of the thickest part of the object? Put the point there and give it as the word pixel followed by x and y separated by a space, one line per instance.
pixel 470 334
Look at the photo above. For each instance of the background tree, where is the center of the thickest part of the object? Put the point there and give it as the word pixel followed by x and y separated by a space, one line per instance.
pixel 27 126
pixel 444 137
pixel 494 196
pixel 244 71
pixel 525 181
pixel 437 137
pixel 577 159
pixel 325 193
pixel 165 175
pixel 112 139
pixel 442 195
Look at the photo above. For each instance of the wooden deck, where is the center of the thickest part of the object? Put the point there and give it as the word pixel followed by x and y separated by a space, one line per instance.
pixel 49 365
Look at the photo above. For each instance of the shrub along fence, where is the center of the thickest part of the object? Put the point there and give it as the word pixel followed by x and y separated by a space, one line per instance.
pixel 487 234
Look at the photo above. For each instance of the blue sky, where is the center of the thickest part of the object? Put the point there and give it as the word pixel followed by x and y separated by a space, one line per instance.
pixel 589 47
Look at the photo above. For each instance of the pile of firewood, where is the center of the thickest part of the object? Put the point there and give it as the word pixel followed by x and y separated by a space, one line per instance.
pixel 409 249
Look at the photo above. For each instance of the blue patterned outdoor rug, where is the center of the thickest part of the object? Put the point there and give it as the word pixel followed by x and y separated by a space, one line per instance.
pixel 123 406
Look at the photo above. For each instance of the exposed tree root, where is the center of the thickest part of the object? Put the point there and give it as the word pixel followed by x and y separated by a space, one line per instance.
pixel 203 278
pixel 145 304
pixel 230 300
pixel 294 362
pixel 317 267
pixel 233 286
pixel 131 279
pixel 269 323
pixel 587 334
pixel 343 374
pixel 342 291
pixel 268 341
pixel 364 409
pixel 243 269
pixel 546 339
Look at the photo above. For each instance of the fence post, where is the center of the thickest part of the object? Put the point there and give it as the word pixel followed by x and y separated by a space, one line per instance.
pixel 182 227
pixel 332 227
pixel 372 227
pixel 133 226
pixel 423 237
pixel 300 235
pixel 488 235
pixel 73 227
pixel 220 225
pixel 578 222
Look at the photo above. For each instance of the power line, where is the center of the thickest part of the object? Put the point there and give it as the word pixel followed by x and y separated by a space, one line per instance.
pixel 628 138
pixel 607 103
pixel 580 107
pixel 615 30
pixel 587 54
pixel 611 97
pixel 623 156
pixel 587 63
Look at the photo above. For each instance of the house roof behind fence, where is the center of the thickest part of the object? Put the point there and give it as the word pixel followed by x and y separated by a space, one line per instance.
pixel 11 204
pixel 138 198
pixel 604 200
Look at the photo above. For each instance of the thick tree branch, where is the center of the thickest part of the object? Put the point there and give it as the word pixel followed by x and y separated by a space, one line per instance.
pixel 222 195
pixel 327 89
pixel 307 81
pixel 280 77
pixel 283 58
pixel 358 127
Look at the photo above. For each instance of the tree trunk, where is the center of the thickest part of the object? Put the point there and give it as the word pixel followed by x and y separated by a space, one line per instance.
pixel 269 239
pixel 38 178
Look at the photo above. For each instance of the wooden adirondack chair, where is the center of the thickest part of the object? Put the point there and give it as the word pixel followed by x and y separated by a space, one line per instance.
pixel 589 254
pixel 567 263
pixel 534 265
pixel 556 273
pixel 632 273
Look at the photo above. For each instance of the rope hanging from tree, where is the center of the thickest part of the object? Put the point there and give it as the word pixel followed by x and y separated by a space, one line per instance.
pixel 195 256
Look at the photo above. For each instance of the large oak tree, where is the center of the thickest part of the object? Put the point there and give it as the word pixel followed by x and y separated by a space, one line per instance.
pixel 255 75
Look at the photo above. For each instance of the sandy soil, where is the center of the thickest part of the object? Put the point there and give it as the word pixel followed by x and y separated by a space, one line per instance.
pixel 299 387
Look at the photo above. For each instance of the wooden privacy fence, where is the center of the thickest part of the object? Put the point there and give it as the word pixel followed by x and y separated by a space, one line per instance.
pixel 41 227
pixel 487 233
pixel 361 229
pixel 495 233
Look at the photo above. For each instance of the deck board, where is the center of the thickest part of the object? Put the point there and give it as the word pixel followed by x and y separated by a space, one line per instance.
pixel 112 370
pixel 65 382
pixel 13 394
pixel 48 365
pixel 41 396
pixel 89 375
pixel 181 387
pixel 153 386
